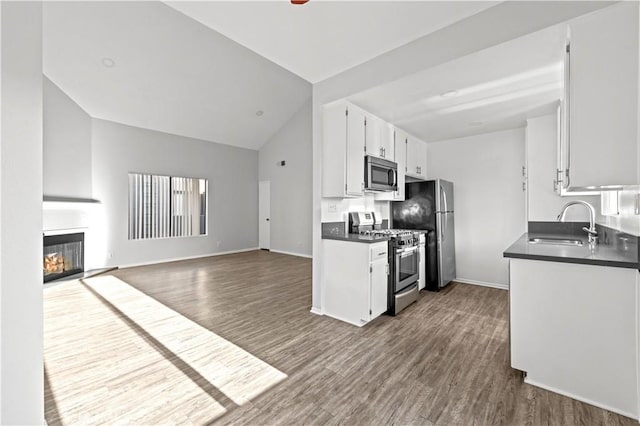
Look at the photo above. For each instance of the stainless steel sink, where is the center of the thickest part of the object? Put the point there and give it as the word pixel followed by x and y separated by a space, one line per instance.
pixel 556 241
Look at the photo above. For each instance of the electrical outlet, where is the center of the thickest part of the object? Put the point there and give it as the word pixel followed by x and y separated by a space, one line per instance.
pixel 109 255
pixel 333 208
pixel 218 243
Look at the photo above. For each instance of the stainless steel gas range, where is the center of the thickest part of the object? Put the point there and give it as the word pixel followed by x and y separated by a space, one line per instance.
pixel 404 259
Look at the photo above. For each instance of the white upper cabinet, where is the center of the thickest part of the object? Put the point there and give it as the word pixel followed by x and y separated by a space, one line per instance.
pixel 400 150
pixel 599 140
pixel 343 150
pixel 416 158
pixel 379 138
pixel 400 142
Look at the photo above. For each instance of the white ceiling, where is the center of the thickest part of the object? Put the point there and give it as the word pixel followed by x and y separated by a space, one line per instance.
pixel 176 75
pixel 497 88
pixel 323 38
pixel 171 73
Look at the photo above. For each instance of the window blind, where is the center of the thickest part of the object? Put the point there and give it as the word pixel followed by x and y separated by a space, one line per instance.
pixel 166 206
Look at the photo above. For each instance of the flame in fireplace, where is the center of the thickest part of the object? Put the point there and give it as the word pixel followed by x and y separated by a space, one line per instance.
pixel 54 263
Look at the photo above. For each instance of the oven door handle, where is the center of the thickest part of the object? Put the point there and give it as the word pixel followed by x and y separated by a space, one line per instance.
pixel 407 250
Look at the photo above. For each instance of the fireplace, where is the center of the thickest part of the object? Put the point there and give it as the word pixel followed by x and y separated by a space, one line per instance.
pixel 63 255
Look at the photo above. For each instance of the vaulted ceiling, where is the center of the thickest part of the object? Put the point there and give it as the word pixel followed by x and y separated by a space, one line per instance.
pixel 234 72
pixel 147 65
pixel 228 72
pixel 323 38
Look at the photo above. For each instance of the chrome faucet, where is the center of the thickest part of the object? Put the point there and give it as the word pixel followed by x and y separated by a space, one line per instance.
pixel 591 231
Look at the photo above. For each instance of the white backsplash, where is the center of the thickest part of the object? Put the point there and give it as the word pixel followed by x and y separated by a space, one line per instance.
pixel 336 209
pixel 627 220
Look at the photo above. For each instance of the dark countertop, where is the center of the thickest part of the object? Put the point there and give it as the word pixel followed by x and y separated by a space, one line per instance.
pixel 356 238
pixel 615 254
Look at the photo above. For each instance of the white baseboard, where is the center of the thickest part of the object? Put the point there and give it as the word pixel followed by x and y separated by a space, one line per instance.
pixel 290 253
pixel 178 259
pixel 578 398
pixel 358 323
pixel 315 311
pixel 482 283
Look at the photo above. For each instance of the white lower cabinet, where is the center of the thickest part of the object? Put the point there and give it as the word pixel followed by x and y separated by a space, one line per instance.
pixel 573 331
pixel 354 280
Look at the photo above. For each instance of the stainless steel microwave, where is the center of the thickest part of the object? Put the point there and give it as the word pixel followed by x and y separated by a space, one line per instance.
pixel 380 174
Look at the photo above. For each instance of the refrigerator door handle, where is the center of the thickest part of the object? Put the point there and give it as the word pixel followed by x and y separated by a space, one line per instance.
pixel 443 232
pixel 439 249
pixel 443 197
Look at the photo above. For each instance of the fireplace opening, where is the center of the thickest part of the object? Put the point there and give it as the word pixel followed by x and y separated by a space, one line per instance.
pixel 63 255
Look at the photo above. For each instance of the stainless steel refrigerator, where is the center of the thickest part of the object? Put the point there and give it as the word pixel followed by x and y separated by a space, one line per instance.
pixel 429 206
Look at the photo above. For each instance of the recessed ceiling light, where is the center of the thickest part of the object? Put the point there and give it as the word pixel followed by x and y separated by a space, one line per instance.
pixel 108 62
pixel 449 94
pixel 476 123
pixel 259 112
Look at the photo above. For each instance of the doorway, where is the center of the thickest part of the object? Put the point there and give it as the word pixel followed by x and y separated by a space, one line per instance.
pixel 264 214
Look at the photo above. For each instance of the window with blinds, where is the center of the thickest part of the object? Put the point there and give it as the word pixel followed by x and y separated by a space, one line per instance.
pixel 166 206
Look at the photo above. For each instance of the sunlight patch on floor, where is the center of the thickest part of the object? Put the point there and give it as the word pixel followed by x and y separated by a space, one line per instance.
pixel 152 366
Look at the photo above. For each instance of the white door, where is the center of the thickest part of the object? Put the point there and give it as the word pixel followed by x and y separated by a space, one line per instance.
pixel 264 214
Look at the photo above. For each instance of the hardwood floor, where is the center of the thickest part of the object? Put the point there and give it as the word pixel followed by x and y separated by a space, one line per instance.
pixel 230 340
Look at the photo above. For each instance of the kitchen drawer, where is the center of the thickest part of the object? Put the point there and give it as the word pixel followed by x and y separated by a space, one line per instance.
pixel 379 251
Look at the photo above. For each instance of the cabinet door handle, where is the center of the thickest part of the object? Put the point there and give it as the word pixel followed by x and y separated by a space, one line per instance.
pixel 557 181
pixel 567 113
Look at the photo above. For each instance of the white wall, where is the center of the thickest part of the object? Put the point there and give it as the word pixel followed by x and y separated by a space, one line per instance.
pixel 290 184
pixel 21 372
pixel 486 171
pixel 544 204
pixel 470 35
pixel 233 193
pixel 67 145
